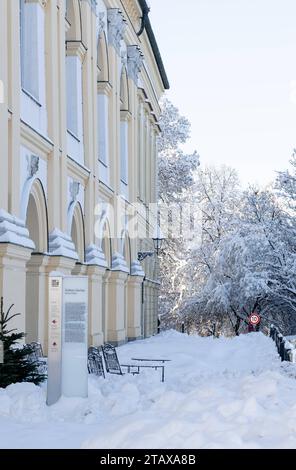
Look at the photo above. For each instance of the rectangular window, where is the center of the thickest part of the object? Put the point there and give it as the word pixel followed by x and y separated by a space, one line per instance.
pixel 29 48
pixel 124 152
pixel 73 98
pixel 103 136
pixel 75 148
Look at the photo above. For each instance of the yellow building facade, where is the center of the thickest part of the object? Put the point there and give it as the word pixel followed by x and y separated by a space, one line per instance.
pixel 79 107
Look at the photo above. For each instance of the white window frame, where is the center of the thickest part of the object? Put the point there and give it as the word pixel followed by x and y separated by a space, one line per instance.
pixel 74 97
pixel 32 54
pixel 103 136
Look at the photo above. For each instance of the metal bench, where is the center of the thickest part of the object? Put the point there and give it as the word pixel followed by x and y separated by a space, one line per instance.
pixel 140 359
pixel 95 362
pixel 114 367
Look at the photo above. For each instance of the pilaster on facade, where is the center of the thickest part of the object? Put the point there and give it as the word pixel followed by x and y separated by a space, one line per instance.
pixel 13 261
pixel 117 305
pixel 134 307
pixel 36 302
pixel 76 48
pixel 96 305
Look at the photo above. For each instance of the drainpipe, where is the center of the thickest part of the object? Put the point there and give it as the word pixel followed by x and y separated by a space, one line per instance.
pixel 144 18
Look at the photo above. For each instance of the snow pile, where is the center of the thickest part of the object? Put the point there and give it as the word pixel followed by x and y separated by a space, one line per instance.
pixel 218 393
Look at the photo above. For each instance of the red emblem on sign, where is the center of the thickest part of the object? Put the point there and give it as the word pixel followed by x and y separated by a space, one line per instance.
pixel 254 319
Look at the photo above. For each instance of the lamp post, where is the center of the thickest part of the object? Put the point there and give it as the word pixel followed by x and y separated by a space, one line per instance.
pixel 158 240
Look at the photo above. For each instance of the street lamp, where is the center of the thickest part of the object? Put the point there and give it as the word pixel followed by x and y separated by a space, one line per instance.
pixel 158 239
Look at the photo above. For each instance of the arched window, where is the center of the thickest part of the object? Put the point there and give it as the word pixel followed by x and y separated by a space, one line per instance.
pixel 36 218
pixel 106 244
pixel 126 249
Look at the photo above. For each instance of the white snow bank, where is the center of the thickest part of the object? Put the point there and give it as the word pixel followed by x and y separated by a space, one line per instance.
pixel 218 393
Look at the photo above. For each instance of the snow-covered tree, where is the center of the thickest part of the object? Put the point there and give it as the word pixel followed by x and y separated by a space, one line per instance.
pixel 176 182
pixel 254 265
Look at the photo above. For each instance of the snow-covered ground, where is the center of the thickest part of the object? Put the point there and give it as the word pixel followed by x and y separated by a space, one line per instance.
pixel 218 393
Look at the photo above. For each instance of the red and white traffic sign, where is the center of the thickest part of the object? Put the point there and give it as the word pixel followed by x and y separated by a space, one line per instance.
pixel 254 319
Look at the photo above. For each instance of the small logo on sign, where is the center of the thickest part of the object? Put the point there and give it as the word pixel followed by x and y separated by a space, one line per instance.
pixel 55 283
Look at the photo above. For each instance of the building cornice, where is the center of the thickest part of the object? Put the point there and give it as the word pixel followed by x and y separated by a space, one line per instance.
pixel 36 141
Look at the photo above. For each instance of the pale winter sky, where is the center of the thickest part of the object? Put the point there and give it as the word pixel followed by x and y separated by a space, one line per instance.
pixel 232 70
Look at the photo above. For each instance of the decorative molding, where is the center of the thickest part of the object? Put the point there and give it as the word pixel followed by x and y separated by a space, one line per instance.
pixel 116 27
pixel 74 191
pixel 119 263
pixel 94 255
pixel 104 88
pixel 102 22
pixel 42 3
pixel 136 269
pixel 13 230
pixel 78 171
pixel 124 59
pixel 60 244
pixel 134 62
pixel 76 48
pixel 33 165
pixel 125 115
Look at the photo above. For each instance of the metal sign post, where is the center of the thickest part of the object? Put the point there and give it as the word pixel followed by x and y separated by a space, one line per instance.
pixel 54 364
pixel 67 337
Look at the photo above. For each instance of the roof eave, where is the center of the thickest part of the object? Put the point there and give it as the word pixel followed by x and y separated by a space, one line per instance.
pixel 155 48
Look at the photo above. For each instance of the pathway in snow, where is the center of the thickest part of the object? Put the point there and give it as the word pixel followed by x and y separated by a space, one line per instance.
pixel 219 393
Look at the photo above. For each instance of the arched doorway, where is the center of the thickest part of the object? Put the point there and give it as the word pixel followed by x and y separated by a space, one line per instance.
pixel 36 280
pixel 77 232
